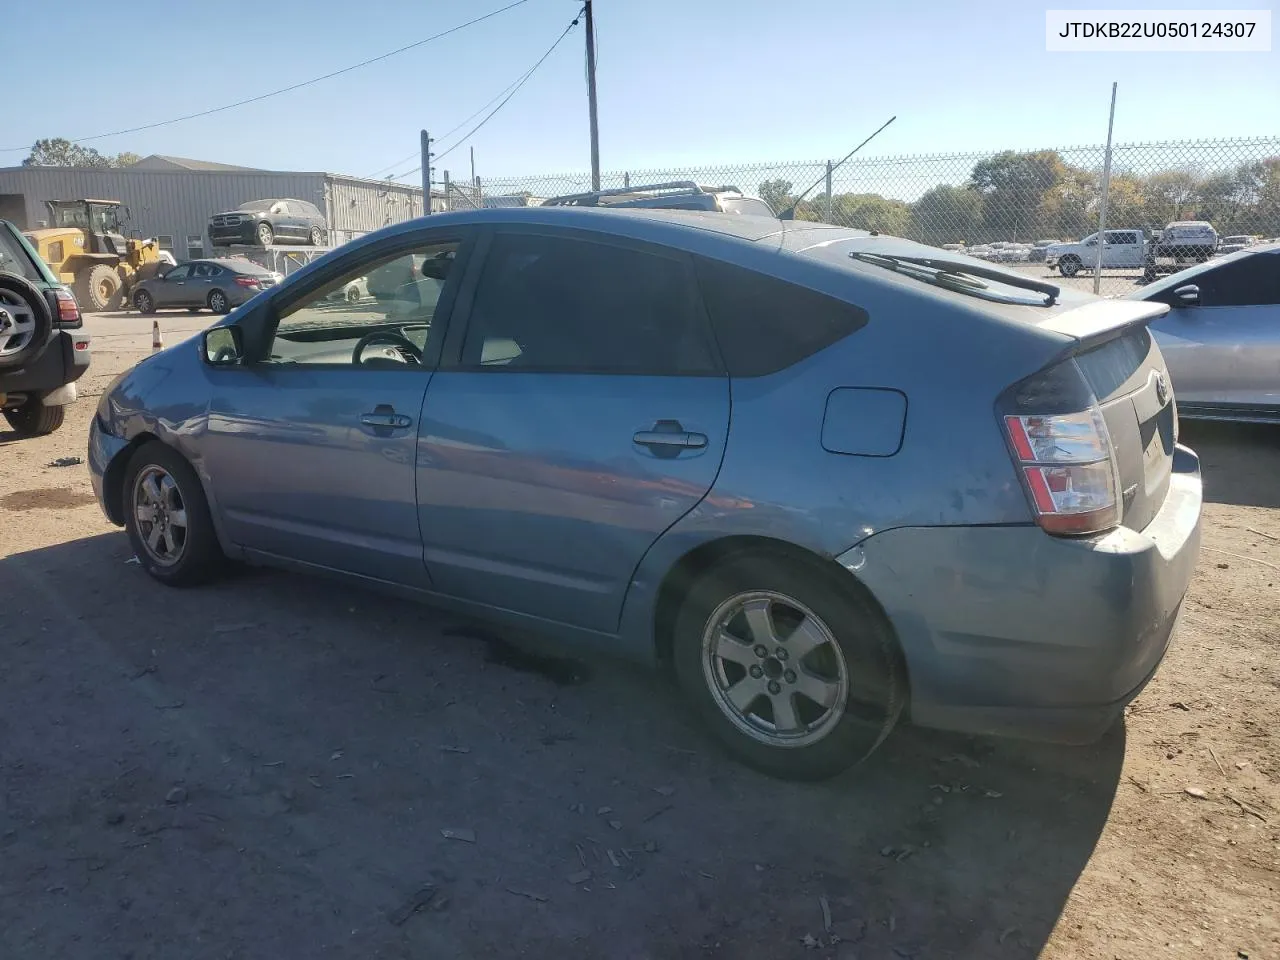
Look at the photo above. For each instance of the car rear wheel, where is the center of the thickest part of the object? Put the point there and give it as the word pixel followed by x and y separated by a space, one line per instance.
pixel 266 236
pixel 317 237
pixel 1069 266
pixel 34 419
pixel 793 668
pixel 144 302
pixel 353 295
pixel 167 518
pixel 218 301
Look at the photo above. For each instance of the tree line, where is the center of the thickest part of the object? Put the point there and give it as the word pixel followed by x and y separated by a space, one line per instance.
pixel 1036 195
pixel 60 152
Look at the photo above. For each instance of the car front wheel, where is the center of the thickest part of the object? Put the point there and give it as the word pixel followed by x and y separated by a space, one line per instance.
pixel 167 518
pixel 1069 266
pixel 792 666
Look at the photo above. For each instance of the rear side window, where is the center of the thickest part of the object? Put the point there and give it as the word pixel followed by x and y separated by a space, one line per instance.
pixel 764 324
pixel 561 305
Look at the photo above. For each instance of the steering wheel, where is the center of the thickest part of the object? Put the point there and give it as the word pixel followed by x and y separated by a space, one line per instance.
pixel 404 346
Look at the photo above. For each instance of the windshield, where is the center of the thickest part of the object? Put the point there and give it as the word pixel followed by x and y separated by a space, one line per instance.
pixel 257 205
pixel 75 216
pixel 745 205
pixel 104 219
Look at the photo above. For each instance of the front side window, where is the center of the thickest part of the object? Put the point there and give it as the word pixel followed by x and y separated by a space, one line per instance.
pixel 555 304
pixel 178 273
pixel 386 329
pixel 1248 282
pixel 14 259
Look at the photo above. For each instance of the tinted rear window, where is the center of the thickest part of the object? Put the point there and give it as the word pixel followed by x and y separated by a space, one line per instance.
pixel 764 324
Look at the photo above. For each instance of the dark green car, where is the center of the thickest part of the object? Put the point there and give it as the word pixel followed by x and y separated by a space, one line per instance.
pixel 43 351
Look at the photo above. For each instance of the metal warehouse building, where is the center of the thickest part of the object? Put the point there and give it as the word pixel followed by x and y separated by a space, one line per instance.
pixel 171 198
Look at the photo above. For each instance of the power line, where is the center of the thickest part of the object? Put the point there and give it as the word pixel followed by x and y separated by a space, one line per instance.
pixel 291 87
pixel 516 89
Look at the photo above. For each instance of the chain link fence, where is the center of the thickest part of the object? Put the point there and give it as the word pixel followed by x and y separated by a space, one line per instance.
pixel 1004 206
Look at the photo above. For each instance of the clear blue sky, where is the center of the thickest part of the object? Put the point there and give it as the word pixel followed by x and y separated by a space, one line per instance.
pixel 681 81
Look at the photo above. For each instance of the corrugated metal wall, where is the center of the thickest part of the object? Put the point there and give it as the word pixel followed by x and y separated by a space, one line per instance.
pixel 170 203
pixel 362 206
pixel 178 203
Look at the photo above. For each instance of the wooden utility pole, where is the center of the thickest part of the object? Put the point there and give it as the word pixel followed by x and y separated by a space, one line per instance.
pixel 591 97
pixel 426 173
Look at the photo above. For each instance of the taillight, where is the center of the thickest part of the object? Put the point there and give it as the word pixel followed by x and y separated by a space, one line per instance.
pixel 1063 451
pixel 68 310
pixel 250 282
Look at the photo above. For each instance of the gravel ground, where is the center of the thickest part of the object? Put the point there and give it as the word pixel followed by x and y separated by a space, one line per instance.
pixel 282 767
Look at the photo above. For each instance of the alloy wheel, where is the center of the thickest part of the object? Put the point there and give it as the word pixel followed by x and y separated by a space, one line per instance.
pixel 161 515
pixel 774 669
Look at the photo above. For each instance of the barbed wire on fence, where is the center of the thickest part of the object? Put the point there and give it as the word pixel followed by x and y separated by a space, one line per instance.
pixel 1011 201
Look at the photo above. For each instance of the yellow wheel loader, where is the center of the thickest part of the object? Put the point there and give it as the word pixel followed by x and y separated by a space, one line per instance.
pixel 85 246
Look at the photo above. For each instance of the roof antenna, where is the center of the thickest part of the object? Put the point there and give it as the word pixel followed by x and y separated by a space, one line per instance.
pixel 790 212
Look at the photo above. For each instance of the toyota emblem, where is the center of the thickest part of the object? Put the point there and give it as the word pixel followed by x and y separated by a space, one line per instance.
pixel 1162 388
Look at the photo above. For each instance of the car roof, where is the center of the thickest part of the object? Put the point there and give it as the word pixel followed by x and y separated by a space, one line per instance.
pixel 233 264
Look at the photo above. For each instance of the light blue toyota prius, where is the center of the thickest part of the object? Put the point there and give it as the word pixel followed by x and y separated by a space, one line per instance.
pixel 833 479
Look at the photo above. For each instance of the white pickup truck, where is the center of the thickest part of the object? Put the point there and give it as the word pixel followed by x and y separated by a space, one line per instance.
pixel 1123 250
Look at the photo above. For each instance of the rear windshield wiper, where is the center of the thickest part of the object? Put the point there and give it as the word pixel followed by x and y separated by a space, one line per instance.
pixel 958 276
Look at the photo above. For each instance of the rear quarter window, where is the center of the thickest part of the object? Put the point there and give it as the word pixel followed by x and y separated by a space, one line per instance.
pixel 764 324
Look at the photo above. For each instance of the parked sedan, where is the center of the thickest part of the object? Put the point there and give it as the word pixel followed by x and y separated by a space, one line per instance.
pixel 533 425
pixel 218 285
pixel 266 222
pixel 1222 337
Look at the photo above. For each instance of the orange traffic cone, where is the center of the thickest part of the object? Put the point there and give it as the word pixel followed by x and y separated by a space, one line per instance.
pixel 157 341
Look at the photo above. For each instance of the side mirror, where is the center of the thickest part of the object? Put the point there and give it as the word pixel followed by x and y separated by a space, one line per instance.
pixel 223 347
pixel 161 274
pixel 1189 294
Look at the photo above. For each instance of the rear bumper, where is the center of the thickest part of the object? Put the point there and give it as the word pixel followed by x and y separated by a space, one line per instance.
pixel 1012 632
pixel 64 360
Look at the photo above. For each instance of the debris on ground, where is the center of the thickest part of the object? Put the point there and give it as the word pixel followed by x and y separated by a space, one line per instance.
pixel 412 905
pixel 992 794
pixel 616 824
pixel 1196 792
pixel 581 876
pixel 234 627
pixel 447 748
pixel 613 859
pixel 176 795
pixel 665 791
pixel 459 833
pixel 66 462
pixel 601 811
pixel 826 913
pixel 650 846
pixel 659 812
pixel 811 942
pixel 961 759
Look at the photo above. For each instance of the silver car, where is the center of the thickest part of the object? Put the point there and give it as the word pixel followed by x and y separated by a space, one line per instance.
pixel 217 285
pixel 831 478
pixel 1222 338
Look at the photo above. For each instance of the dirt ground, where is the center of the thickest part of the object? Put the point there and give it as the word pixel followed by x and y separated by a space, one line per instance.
pixel 281 767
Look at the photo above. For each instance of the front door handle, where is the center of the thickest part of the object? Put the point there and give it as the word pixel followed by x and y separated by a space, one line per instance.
pixel 395 420
pixel 383 418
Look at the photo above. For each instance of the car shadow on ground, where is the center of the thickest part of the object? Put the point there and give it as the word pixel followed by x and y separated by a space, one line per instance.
pixel 1240 461
pixel 286 766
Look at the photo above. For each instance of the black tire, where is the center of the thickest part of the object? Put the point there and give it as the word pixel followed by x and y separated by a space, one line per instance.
pixel 265 235
pixel 99 289
pixel 876 691
pixel 20 292
pixel 34 419
pixel 1069 266
pixel 353 295
pixel 218 302
pixel 144 302
pixel 200 559
pixel 317 237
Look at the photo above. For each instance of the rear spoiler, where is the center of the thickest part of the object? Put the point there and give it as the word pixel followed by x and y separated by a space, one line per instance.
pixel 1102 320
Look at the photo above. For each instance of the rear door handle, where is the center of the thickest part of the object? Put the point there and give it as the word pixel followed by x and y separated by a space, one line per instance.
pixel 662 438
